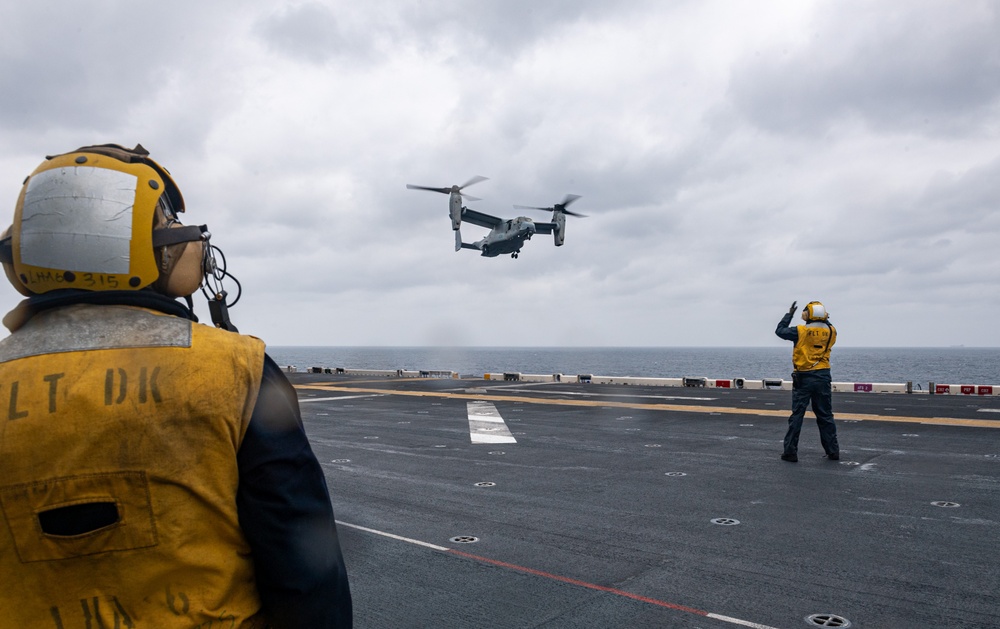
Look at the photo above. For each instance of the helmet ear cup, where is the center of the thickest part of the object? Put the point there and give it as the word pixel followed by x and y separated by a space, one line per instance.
pixel 188 271
pixel 182 267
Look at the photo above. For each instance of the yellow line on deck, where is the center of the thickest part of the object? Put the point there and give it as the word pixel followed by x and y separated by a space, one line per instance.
pixel 728 410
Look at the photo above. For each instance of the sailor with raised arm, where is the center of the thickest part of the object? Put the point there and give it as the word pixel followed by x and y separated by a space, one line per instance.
pixel 811 379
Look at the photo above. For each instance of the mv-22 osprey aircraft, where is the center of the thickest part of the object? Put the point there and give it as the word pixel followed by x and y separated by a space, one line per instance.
pixel 506 235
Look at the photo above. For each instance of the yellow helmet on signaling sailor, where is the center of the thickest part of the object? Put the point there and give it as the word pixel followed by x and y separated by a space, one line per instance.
pixel 102 218
pixel 815 311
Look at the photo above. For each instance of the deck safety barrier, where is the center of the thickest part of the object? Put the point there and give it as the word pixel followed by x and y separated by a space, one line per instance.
pixel 687 381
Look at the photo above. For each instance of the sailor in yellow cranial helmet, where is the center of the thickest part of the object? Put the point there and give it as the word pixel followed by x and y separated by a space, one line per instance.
pixel 811 379
pixel 155 471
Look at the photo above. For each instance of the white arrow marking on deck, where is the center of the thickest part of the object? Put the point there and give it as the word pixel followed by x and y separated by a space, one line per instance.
pixel 486 425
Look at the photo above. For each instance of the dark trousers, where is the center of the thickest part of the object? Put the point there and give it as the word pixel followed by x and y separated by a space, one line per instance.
pixel 812 387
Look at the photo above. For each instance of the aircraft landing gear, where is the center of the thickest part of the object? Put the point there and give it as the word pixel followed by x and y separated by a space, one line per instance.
pixel 514 255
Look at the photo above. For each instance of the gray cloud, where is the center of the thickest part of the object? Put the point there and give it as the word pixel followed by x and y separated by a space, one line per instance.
pixel 925 67
pixel 731 158
pixel 312 32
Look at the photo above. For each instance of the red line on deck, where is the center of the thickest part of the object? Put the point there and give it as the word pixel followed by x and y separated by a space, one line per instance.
pixel 592 586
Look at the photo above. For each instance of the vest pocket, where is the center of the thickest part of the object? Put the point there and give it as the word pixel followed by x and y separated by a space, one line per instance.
pixel 75 516
pixel 80 519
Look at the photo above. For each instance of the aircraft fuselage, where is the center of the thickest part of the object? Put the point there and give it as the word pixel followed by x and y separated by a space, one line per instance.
pixel 507 237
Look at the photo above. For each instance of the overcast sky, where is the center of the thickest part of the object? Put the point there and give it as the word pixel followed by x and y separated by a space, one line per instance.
pixel 731 156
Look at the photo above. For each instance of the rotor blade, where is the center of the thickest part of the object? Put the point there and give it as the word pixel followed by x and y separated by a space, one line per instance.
pixel 469 197
pixel 410 186
pixel 472 181
pixel 558 207
pixel 561 207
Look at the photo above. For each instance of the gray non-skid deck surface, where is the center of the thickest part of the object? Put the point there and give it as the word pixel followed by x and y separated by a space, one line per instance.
pixel 601 514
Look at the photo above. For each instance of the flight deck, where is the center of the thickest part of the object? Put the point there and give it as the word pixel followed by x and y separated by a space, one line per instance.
pixel 485 503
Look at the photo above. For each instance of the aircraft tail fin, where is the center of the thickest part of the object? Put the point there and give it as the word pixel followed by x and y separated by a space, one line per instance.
pixel 459 245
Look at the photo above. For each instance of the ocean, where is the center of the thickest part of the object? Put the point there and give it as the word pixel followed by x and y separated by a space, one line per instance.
pixel 953 365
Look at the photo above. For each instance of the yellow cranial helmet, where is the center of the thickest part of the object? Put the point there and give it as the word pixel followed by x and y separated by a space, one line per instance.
pixel 815 311
pixel 101 218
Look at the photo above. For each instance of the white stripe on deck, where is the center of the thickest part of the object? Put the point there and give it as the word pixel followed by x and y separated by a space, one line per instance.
pixel 549 575
pixel 514 387
pixel 486 425
pixel 333 399
pixel 391 536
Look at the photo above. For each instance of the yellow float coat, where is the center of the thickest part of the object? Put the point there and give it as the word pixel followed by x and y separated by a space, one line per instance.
pixel 123 406
pixel 812 349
